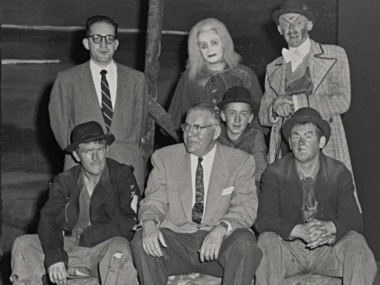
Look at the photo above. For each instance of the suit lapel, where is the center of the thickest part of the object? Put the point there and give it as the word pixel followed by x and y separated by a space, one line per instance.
pixel 218 180
pixel 101 191
pixel 320 65
pixel 277 78
pixel 182 174
pixel 89 92
pixel 294 187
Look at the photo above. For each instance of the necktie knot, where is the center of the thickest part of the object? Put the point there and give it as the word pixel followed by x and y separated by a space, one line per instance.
pixel 103 72
pixel 200 159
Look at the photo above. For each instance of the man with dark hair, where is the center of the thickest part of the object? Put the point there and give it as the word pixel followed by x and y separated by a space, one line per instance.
pixel 199 205
pixel 104 91
pixel 86 224
pixel 308 218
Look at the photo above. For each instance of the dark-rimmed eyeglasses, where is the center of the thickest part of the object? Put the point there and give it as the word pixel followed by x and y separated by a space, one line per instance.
pixel 197 128
pixel 98 38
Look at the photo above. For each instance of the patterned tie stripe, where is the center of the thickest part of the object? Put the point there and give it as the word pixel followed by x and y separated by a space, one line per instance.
pixel 197 212
pixel 106 101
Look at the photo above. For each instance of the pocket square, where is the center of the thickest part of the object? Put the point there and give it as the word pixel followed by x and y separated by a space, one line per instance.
pixel 228 191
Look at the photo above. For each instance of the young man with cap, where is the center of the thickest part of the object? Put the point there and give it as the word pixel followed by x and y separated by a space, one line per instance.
pixel 86 224
pixel 308 218
pixel 237 111
pixel 308 74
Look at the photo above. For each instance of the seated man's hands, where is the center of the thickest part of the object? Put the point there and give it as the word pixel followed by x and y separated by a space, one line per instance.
pixel 58 273
pixel 211 244
pixel 283 106
pixel 320 233
pixel 152 238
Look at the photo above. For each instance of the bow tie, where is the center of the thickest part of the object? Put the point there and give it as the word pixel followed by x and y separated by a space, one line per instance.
pixel 292 55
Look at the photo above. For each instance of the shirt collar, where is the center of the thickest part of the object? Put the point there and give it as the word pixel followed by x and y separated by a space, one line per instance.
pixel 97 68
pixel 209 156
pixel 303 49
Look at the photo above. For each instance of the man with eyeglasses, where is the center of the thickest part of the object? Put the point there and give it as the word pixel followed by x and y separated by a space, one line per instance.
pixel 86 224
pixel 308 74
pixel 199 205
pixel 104 91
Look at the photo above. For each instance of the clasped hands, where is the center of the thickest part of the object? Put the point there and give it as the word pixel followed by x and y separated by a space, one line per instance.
pixel 315 233
pixel 283 106
pixel 153 239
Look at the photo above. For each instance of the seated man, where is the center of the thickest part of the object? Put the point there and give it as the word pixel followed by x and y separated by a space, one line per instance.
pixel 237 111
pixel 308 217
pixel 199 205
pixel 87 222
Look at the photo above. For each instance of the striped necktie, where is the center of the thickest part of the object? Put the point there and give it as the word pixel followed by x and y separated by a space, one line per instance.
pixel 106 101
pixel 197 212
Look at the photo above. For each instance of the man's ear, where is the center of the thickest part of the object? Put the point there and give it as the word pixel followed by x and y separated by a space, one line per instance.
pixel 217 132
pixel 251 117
pixel 223 115
pixel 309 25
pixel 76 156
pixel 116 44
pixel 85 44
pixel 290 143
pixel 279 29
pixel 322 142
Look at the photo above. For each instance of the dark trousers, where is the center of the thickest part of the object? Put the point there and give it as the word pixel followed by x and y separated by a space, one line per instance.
pixel 238 258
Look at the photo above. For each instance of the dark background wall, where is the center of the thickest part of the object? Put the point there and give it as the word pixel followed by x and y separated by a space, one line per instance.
pixel 52 29
pixel 358 33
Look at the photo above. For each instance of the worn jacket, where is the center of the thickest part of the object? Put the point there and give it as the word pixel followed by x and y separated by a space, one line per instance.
pixel 231 193
pixel 111 213
pixel 73 101
pixel 281 197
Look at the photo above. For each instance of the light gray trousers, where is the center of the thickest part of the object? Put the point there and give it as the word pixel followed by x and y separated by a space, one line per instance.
pixel 110 261
pixel 350 258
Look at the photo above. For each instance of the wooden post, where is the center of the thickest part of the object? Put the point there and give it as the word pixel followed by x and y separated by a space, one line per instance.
pixel 152 67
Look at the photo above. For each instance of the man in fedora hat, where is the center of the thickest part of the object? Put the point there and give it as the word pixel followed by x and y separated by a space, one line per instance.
pixel 308 74
pixel 237 111
pixel 86 224
pixel 308 218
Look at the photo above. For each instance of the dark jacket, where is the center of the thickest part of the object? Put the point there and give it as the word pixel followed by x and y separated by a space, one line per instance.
pixel 280 200
pixel 111 214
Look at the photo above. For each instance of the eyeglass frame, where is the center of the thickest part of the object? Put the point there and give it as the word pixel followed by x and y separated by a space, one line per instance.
pixel 102 37
pixel 186 127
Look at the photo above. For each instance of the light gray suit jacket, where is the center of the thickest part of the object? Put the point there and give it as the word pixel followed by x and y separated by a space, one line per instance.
pixel 231 194
pixel 73 101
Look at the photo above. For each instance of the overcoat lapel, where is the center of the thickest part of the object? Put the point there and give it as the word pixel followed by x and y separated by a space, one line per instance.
pixel 320 64
pixel 218 180
pixel 277 78
pixel 89 92
pixel 294 187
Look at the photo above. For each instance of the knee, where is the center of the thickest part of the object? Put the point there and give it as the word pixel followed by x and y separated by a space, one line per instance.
pixel 246 241
pixel 136 242
pixel 23 242
pixel 119 245
pixel 268 240
pixel 356 241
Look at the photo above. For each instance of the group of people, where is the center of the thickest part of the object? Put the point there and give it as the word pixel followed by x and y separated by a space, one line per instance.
pixel 208 198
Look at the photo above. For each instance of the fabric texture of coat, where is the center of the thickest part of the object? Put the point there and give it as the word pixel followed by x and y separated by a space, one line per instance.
pixel 210 86
pixel 281 197
pixel 331 96
pixel 231 193
pixel 111 213
pixel 73 101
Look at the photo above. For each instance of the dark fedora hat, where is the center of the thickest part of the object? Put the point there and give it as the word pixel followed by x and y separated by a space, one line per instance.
pixel 294 6
pixel 307 115
pixel 239 94
pixel 87 132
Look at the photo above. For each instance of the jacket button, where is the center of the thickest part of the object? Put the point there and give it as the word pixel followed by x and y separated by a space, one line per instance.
pixel 331 120
pixel 214 101
pixel 212 79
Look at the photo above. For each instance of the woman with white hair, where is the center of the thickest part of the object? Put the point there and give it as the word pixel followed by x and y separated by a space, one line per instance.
pixel 212 68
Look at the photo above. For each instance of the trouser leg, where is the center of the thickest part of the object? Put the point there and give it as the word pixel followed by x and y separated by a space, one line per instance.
pixel 358 262
pixel 277 261
pixel 27 261
pixel 112 260
pixel 178 258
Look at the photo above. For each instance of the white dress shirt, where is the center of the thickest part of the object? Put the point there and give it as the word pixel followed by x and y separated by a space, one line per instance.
pixel 296 54
pixel 111 78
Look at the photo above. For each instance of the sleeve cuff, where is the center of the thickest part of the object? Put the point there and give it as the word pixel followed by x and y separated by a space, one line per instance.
pixel 229 228
pixel 295 102
pixel 139 225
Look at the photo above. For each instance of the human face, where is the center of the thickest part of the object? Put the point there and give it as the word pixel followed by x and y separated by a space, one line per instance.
pixel 212 49
pixel 200 142
pixel 102 53
pixel 237 116
pixel 92 157
pixel 305 143
pixel 295 28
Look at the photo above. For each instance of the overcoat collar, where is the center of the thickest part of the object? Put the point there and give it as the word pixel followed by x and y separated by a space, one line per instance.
pixel 320 65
